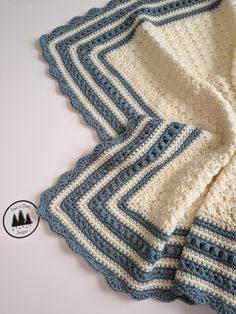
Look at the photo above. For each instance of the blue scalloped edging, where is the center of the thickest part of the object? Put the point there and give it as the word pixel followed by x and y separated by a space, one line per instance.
pixel 185 292
pixel 67 90
pixel 171 251
pixel 197 296
pixel 112 279
pixel 55 72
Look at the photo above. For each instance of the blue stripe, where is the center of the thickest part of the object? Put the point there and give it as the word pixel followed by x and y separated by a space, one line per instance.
pixel 211 250
pixel 116 73
pixel 98 240
pixel 104 83
pixel 85 161
pixel 151 125
pixel 214 228
pixel 78 78
pixel 116 97
pixel 97 204
pixel 55 71
pixel 112 278
pixel 205 273
pixel 123 203
pixel 77 20
pixel 143 248
pixel 69 207
pixel 117 256
pixel 91 67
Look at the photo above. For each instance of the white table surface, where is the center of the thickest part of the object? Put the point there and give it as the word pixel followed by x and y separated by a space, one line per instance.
pixel 42 136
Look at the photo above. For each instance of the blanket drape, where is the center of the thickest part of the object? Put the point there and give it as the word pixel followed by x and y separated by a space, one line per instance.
pixel 153 207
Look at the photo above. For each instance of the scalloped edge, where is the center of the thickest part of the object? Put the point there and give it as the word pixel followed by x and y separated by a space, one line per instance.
pixel 202 297
pixel 111 278
pixel 117 284
pixel 53 69
pixel 92 12
pixel 177 291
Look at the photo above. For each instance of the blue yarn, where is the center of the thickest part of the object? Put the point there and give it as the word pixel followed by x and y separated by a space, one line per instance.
pixel 103 214
pixel 184 291
pixel 207 248
pixel 56 72
pixel 207 274
pixel 214 228
pixel 123 202
pixel 198 296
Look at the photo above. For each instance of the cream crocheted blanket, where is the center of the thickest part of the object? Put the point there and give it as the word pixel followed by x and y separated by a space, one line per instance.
pixel 153 207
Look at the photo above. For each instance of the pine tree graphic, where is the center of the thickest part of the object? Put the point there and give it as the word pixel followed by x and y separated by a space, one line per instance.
pixel 28 219
pixel 15 222
pixel 21 219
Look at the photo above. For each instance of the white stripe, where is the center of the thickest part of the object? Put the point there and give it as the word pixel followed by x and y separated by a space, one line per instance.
pixel 97 163
pixel 206 286
pixel 68 78
pixel 70 81
pixel 215 238
pixel 103 259
pixel 210 263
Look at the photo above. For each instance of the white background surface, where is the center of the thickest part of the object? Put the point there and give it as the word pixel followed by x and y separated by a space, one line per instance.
pixel 42 136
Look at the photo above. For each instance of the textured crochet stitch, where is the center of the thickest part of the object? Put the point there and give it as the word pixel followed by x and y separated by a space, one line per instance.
pixel 153 207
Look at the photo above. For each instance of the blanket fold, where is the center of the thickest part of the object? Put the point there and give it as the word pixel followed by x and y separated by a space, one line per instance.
pixel 153 206
pixel 206 272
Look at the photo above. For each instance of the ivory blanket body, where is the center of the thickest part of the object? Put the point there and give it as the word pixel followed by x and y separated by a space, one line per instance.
pixel 153 207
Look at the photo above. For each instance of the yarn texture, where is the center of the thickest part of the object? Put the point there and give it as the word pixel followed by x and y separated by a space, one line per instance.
pixel 153 207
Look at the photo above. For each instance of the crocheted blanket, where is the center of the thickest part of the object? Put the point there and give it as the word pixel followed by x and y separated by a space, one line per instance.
pixel 153 207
